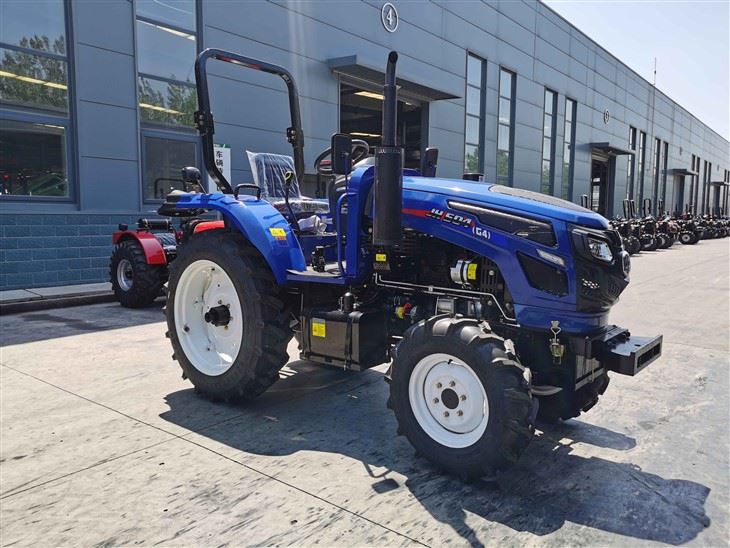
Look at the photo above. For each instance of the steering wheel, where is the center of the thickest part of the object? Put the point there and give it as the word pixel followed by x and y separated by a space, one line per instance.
pixel 360 151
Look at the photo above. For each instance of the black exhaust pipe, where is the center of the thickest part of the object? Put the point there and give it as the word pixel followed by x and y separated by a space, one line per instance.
pixel 388 194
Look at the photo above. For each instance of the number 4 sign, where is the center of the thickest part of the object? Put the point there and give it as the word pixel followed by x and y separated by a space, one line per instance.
pixel 389 17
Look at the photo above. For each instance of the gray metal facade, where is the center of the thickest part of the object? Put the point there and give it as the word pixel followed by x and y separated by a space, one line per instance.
pixel 48 243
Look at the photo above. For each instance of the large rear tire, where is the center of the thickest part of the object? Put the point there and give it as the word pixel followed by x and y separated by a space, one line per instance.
pixel 687 238
pixel 460 397
pixel 634 245
pixel 227 322
pixel 135 283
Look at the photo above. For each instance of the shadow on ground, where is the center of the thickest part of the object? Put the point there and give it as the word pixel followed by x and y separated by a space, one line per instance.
pixel 548 487
pixel 65 322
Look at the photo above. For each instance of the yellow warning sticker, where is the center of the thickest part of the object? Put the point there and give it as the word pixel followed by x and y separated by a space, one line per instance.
pixel 471 272
pixel 318 328
pixel 278 233
pixel 381 258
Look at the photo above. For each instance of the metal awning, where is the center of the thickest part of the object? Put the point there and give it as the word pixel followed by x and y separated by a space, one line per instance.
pixel 684 171
pixel 355 67
pixel 607 148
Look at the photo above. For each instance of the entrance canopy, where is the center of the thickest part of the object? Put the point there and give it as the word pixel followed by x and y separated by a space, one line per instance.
pixel 684 171
pixel 610 150
pixel 354 66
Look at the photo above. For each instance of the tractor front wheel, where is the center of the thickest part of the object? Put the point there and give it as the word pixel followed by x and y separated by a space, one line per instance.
pixel 135 282
pixel 460 397
pixel 227 322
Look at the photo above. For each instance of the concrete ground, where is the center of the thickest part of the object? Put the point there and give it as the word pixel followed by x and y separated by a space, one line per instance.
pixel 102 442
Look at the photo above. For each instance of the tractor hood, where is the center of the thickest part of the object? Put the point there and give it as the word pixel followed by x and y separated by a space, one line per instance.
pixel 507 198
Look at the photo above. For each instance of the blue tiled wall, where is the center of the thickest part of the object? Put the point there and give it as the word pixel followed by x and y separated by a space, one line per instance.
pixel 46 250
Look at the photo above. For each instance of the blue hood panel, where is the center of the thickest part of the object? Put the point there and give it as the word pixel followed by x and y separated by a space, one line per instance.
pixel 508 198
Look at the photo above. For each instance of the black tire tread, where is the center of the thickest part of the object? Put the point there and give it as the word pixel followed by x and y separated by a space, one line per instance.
pixel 148 279
pixel 514 428
pixel 257 366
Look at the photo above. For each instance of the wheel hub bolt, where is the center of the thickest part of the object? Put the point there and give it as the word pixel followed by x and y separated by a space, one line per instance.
pixel 452 384
pixel 446 413
pixel 186 329
pixel 460 413
pixel 435 400
pixel 439 385
pixel 463 397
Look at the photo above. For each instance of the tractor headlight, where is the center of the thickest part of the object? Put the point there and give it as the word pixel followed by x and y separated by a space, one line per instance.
pixel 600 250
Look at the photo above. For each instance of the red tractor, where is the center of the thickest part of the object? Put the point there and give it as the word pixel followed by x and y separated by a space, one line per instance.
pixel 139 262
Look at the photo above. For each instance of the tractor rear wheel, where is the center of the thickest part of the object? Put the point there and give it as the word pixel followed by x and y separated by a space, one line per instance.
pixel 227 322
pixel 687 238
pixel 633 245
pixel 135 282
pixel 461 399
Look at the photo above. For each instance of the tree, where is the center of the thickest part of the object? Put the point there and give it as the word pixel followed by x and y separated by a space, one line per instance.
pixel 50 90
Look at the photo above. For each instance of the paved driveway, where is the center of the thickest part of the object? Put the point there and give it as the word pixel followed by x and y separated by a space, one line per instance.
pixel 103 443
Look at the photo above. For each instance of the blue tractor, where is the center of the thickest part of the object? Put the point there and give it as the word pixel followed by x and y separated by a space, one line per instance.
pixel 492 302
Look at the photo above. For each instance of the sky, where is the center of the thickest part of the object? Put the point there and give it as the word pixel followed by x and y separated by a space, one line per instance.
pixel 690 40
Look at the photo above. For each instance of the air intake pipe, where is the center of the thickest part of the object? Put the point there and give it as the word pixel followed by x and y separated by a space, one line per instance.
pixel 388 194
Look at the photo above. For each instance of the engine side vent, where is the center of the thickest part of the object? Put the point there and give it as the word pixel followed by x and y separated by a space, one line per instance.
pixel 544 276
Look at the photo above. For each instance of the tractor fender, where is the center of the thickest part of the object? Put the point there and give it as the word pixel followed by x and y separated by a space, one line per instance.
pixel 153 251
pixel 259 222
pixel 208 225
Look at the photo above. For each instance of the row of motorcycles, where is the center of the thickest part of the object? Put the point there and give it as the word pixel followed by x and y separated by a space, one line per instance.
pixel 649 233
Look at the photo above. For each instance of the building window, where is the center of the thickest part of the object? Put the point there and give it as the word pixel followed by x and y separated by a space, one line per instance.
pixel 166 50
pixel 505 126
pixel 661 205
pixel 571 110
pixel 474 125
pixel 631 165
pixel 163 159
pixel 708 178
pixel 34 100
pixel 641 162
pixel 692 182
pixel 656 171
pixel 696 179
pixel 550 111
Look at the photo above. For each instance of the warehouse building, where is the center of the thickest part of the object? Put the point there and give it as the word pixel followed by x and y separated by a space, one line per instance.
pixel 97 100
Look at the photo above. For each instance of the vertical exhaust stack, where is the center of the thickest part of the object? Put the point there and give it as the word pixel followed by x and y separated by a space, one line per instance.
pixel 388 194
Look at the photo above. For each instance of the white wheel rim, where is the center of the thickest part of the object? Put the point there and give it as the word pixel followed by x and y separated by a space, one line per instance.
pixel 448 400
pixel 125 275
pixel 211 349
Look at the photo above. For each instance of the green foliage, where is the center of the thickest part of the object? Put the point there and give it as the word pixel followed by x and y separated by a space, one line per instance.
pixel 472 162
pixel 175 98
pixel 38 67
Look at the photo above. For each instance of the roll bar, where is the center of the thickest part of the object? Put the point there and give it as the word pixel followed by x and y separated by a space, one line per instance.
pixel 204 117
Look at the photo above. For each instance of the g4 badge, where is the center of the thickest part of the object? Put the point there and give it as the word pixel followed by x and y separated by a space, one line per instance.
pixel 482 232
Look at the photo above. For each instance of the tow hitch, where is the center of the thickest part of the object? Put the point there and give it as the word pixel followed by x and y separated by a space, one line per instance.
pixel 624 353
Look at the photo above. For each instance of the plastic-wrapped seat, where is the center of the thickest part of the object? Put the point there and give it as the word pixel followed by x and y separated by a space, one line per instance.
pixel 268 173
